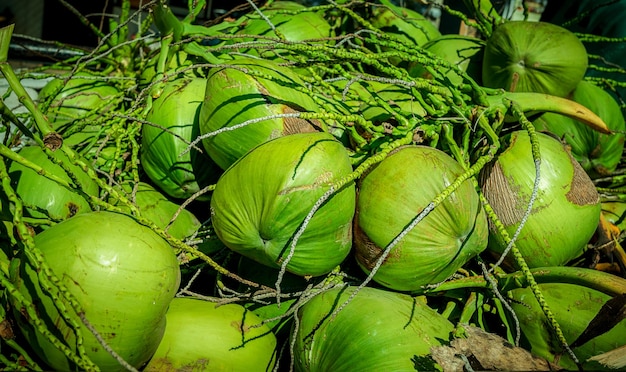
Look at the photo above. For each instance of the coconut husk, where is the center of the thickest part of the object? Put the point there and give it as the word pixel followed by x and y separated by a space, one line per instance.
pixel 480 350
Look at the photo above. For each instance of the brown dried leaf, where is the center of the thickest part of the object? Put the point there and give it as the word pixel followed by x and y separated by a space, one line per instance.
pixel 487 352
pixel 615 358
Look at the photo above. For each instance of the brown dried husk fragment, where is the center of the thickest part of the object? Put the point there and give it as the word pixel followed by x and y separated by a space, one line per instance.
pixel 487 352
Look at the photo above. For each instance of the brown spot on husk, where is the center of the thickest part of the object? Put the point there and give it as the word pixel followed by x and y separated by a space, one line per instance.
pixel 240 327
pixel 6 331
pixel 53 141
pixel 72 208
pixel 296 125
pixel 514 81
pixel 500 195
pixel 164 364
pixel 582 190
pixel 366 251
pixel 488 352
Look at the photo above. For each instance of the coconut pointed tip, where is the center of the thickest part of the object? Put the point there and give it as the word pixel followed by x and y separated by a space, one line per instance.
pixel 541 102
pixel 592 120
pixel 584 115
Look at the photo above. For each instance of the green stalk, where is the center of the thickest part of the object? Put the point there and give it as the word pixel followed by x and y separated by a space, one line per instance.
pixel 469 309
pixel 25 362
pixel 533 103
pixel 13 156
pixel 48 281
pixel 485 14
pixel 42 124
pixel 6 113
pixel 606 283
pixel 194 7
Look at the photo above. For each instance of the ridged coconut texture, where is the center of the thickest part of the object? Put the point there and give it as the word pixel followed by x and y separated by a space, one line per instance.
pixel 394 193
pixel 261 201
pixel 81 97
pixel 527 56
pixel 573 306
pixel 598 153
pixel 463 52
pixel 252 89
pixel 566 211
pixel 407 25
pixel 294 21
pixel 156 207
pixel 74 104
pixel 179 61
pixel 122 274
pixel 202 335
pixel 361 97
pixel 377 330
pixel 175 123
pixel 44 197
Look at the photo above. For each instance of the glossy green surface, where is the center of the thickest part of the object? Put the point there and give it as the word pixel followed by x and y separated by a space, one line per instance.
pixel 201 336
pixel 573 306
pixel 376 331
pixel 251 89
pixel 260 202
pixel 173 125
pixel 45 197
pixel 123 275
pixel 527 56
pixel 565 213
pixel 392 195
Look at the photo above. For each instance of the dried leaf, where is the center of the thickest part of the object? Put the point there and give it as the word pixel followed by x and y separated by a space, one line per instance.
pixel 615 358
pixel 609 315
pixel 487 351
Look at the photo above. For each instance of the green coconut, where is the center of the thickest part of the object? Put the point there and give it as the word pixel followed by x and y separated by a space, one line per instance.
pixel 163 212
pixel 178 222
pixel 81 97
pixel 45 198
pixel 573 306
pixel 254 92
pixel 565 213
pixel 77 108
pixel 403 24
pixel 395 192
pixel 379 102
pixel 615 212
pixel 261 201
pixel 202 335
pixel 464 53
pixel 295 23
pixel 527 56
pixel 377 330
pixel 72 105
pixel 121 273
pixel 598 153
pixel 165 155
